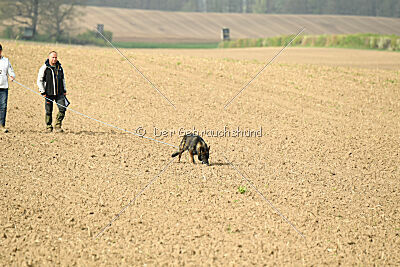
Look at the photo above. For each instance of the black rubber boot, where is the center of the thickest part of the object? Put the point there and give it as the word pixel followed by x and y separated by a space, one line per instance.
pixel 49 120
pixel 59 119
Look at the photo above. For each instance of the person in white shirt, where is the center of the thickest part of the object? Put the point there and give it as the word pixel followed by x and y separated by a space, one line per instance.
pixel 5 71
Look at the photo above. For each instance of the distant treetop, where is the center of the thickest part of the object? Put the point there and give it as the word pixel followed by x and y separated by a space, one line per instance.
pixel 383 8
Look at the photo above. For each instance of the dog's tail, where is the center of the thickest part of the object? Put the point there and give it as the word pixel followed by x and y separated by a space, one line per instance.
pixel 175 154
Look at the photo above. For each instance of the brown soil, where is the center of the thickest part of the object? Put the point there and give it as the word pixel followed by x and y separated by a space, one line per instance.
pixel 133 25
pixel 328 159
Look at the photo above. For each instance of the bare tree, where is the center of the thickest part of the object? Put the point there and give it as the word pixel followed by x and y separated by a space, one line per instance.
pixel 260 6
pixel 202 5
pixel 21 13
pixel 59 16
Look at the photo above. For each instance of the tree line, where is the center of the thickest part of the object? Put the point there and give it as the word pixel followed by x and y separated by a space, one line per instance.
pixel 385 8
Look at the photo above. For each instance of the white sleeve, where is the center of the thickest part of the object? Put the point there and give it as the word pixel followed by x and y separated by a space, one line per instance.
pixel 10 70
pixel 40 79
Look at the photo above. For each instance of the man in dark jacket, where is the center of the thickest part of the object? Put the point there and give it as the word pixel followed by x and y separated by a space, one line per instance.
pixel 51 83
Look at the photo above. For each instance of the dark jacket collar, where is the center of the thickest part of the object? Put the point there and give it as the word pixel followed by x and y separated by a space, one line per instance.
pixel 58 64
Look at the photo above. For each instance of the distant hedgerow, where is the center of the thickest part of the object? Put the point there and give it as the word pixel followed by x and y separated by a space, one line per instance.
pixel 360 41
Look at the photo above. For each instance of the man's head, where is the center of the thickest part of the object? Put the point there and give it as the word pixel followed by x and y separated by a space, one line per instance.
pixel 53 58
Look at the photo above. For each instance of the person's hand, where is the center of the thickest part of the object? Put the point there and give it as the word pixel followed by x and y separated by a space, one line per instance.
pixel 44 95
pixel 12 78
pixel 65 93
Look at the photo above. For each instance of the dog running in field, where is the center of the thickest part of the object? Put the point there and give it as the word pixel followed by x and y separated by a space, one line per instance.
pixel 196 146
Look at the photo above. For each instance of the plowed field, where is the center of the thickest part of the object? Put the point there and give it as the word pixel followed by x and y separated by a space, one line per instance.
pixel 323 149
pixel 132 25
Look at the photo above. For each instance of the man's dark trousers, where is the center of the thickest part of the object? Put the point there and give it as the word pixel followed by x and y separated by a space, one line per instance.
pixel 3 106
pixel 60 100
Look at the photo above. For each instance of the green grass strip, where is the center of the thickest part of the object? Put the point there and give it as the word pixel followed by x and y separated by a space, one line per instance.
pixel 356 41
